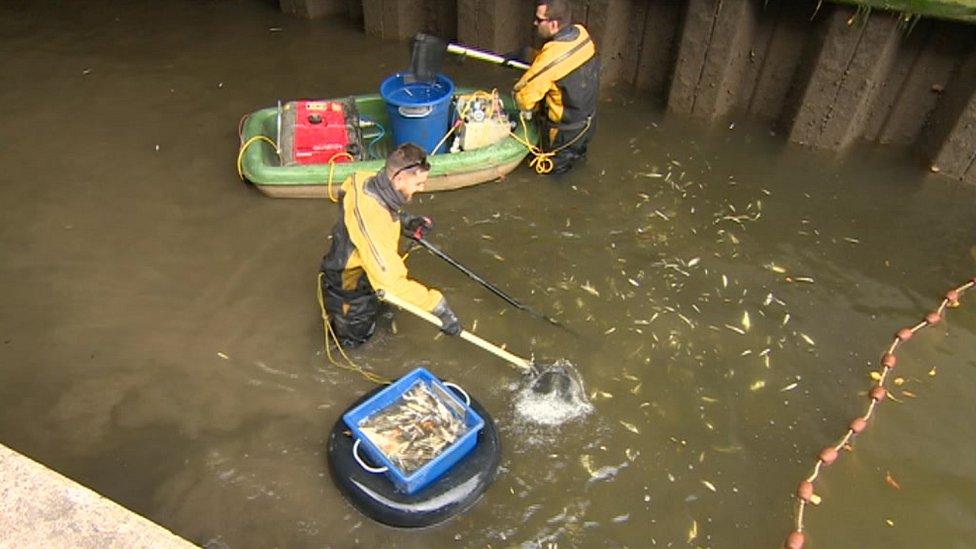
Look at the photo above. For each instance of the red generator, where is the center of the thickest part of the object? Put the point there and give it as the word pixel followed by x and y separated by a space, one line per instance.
pixel 315 132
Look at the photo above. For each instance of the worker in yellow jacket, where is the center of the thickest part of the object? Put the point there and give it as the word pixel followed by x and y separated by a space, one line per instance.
pixel 565 78
pixel 364 255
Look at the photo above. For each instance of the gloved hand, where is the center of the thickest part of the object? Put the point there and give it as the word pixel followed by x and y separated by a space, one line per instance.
pixel 415 226
pixel 450 324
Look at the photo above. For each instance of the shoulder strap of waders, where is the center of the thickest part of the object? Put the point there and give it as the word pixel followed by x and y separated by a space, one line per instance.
pixel 566 55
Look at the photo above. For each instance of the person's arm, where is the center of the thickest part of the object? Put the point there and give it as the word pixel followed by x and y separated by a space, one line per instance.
pixel 532 87
pixel 384 268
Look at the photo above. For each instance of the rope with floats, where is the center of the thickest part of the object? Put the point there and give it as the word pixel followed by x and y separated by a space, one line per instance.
pixel 804 491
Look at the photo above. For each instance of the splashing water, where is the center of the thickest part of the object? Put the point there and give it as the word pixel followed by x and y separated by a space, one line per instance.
pixel 554 396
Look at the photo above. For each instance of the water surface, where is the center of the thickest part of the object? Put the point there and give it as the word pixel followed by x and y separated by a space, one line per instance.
pixel 161 342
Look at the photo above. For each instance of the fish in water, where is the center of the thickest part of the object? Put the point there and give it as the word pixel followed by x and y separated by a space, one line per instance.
pixel 415 428
pixel 607 472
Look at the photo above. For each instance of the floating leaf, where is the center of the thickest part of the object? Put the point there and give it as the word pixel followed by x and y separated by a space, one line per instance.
pixel 746 323
pixel 932 372
pixel 757 385
pixel 808 339
pixel 789 387
pixel 694 261
pixel 709 485
pixel 223 356
pixel 590 289
pixel 875 376
pixel 693 531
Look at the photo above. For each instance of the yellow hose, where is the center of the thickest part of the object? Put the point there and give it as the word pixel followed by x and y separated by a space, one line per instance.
pixel 244 146
pixel 331 168
pixel 330 336
pixel 542 160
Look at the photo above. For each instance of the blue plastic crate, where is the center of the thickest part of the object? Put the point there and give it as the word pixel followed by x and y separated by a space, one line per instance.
pixel 436 467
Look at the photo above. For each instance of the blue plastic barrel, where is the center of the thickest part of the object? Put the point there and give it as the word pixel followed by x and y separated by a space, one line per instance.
pixel 419 111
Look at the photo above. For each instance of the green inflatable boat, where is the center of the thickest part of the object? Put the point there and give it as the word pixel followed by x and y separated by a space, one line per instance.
pixel 306 149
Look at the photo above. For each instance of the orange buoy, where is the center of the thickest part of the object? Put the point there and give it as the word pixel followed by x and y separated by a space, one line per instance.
pixel 933 318
pixel 903 334
pixel 858 424
pixel 794 540
pixel 828 455
pixel 805 490
pixel 878 393
pixel 888 360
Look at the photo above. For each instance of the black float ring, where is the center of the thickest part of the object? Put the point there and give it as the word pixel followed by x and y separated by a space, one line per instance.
pixel 452 494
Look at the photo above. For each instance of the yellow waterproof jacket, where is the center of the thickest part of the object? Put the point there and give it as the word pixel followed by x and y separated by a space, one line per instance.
pixel 566 74
pixel 366 243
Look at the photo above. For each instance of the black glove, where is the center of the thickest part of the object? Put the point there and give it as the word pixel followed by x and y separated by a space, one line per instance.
pixel 450 324
pixel 415 227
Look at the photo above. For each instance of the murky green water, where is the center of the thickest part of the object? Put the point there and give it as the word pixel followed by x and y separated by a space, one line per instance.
pixel 133 260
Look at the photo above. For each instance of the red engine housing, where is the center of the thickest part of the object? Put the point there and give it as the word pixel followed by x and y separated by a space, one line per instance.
pixel 320 132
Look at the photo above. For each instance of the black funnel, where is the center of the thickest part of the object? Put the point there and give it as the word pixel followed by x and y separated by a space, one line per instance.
pixel 426 56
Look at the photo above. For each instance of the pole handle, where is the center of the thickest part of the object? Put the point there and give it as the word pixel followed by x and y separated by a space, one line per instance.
pixel 485 56
pixel 517 361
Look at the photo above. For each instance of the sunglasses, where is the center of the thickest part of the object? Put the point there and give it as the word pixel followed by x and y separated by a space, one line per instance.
pixel 422 164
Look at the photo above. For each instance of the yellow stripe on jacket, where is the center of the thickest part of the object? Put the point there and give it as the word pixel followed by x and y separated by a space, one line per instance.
pixel 375 233
pixel 540 80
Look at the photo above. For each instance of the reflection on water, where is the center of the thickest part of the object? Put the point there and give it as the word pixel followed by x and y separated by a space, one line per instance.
pixel 160 339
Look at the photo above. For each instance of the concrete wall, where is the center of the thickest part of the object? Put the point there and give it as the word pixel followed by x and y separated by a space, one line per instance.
pixel 824 75
pixel 41 508
pixel 312 9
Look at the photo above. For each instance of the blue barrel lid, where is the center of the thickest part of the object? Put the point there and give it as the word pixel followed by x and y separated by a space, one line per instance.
pixel 396 90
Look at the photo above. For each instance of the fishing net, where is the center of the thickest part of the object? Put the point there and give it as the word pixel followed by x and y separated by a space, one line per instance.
pixel 554 395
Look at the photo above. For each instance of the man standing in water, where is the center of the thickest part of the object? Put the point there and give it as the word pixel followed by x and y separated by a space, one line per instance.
pixel 566 73
pixel 364 254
